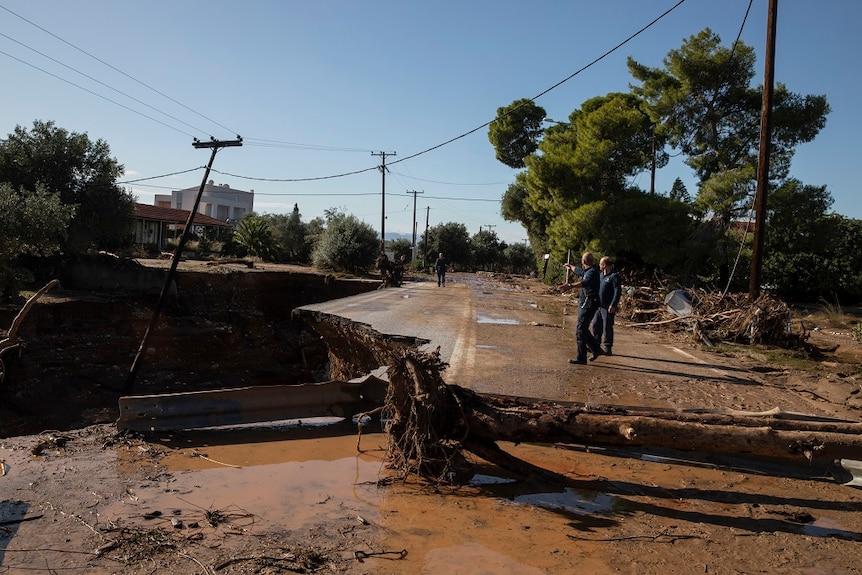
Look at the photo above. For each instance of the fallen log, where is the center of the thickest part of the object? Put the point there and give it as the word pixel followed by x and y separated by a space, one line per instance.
pixel 431 424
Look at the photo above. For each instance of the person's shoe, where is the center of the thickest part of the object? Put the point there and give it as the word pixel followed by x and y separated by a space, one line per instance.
pixel 596 354
pixel 578 361
pixel 607 350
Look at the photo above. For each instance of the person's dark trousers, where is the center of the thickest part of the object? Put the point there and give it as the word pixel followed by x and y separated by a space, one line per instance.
pixel 602 327
pixel 584 337
pixel 441 278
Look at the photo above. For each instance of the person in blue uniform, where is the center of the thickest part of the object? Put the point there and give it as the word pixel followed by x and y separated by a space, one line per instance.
pixel 588 304
pixel 610 291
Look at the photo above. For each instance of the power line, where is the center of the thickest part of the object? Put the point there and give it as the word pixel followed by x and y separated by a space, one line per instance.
pixel 96 94
pixel 557 85
pixel 102 83
pixel 277 143
pixel 265 143
pixel 451 183
pixel 372 168
pixel 116 69
pixel 486 124
pixel 162 176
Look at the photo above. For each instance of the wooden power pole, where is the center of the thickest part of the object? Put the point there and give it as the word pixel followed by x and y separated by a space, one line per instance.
pixel 414 246
pixel 763 161
pixel 215 145
pixel 383 197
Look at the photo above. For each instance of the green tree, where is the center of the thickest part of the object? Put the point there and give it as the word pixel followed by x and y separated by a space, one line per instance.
pixel 486 250
pixel 452 239
pixel 808 252
pixel 703 103
pixel 81 173
pixel 291 235
pixel 30 224
pixel 519 259
pixel 254 235
pixel 678 192
pixel 346 244
pixel 516 207
pixel 566 196
pixel 401 247
pixel 515 131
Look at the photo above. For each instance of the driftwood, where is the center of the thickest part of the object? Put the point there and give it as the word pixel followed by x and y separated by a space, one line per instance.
pixel 431 424
pixel 10 343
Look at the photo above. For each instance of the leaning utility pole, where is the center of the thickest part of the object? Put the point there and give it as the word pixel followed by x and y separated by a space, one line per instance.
pixel 383 198
pixel 414 246
pixel 216 145
pixel 765 149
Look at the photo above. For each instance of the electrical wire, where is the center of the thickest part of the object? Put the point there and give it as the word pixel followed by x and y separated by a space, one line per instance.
pixel 162 176
pixel 257 179
pixel 741 246
pixel 264 143
pixel 102 83
pixel 278 143
pixel 97 94
pixel 555 86
pixel 114 68
pixel 451 183
pixel 476 129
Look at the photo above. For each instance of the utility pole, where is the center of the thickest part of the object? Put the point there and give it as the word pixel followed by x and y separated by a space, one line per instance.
pixel 383 197
pixel 425 251
pixel 489 226
pixel 415 247
pixel 763 160
pixel 215 145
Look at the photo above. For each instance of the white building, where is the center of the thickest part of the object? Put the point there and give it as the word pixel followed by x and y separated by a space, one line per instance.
pixel 217 201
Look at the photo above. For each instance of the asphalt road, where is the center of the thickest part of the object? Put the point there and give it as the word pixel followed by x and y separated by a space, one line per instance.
pixel 500 338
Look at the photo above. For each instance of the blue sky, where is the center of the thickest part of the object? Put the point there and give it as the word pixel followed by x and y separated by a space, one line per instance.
pixel 314 88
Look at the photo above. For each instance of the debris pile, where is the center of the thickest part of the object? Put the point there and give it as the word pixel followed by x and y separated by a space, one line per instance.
pixel 710 316
pixel 714 316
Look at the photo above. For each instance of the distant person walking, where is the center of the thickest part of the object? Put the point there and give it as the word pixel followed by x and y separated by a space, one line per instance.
pixel 588 303
pixel 610 292
pixel 441 270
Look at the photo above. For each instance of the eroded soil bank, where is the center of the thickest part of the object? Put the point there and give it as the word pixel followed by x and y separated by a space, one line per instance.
pixel 222 326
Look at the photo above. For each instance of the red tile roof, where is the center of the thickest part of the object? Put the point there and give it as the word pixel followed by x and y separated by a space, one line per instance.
pixel 174 216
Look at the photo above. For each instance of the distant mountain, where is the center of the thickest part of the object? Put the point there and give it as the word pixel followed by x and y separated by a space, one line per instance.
pixel 389 236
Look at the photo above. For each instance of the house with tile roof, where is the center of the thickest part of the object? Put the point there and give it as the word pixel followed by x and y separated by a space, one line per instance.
pixel 156 225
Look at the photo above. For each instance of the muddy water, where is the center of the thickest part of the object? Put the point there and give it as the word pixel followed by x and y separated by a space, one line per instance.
pixel 618 513
pixel 494 525
pixel 498 525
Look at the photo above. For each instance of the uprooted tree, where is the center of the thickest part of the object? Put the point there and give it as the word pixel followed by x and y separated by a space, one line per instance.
pixel 432 425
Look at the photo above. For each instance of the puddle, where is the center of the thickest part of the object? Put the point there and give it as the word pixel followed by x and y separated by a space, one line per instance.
pixel 498 321
pixel 480 479
pixel 297 483
pixel 290 483
pixel 825 527
pixel 571 501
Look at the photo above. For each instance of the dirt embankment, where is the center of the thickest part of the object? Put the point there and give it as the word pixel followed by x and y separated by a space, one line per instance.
pixel 222 326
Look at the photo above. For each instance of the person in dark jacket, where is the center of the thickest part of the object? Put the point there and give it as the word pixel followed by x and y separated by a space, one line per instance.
pixel 610 291
pixel 588 303
pixel 441 270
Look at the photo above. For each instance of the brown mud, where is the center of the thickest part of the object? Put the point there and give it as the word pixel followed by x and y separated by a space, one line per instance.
pixel 319 499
